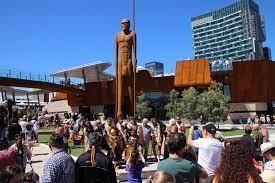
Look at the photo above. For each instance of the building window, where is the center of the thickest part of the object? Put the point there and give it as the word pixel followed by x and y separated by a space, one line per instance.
pixel 226 92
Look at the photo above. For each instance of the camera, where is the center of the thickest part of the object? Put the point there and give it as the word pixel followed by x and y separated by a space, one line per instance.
pixel 195 127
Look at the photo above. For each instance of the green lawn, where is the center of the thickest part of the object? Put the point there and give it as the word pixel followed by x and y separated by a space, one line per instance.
pixel 44 129
pixel 75 150
pixel 79 149
pixel 226 133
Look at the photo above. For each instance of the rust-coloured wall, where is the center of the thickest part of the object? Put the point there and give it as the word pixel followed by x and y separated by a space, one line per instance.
pixel 146 83
pixel 192 73
pixel 60 96
pixel 103 93
pixel 253 81
pixel 100 93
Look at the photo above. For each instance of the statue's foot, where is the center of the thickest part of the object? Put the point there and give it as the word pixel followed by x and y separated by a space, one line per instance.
pixel 119 115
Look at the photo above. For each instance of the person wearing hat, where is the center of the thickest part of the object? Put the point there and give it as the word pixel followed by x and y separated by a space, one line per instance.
pixel 268 151
pixel 94 158
pixel 268 169
pixel 210 149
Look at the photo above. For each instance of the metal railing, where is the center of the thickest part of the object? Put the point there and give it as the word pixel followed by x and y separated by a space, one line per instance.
pixel 38 77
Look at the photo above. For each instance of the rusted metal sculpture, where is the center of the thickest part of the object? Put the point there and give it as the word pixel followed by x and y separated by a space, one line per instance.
pixel 125 62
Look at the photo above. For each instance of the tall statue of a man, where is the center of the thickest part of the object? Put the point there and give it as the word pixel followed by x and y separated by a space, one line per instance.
pixel 125 62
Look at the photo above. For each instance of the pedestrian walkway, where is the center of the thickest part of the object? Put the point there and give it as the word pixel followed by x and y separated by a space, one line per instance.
pixel 40 154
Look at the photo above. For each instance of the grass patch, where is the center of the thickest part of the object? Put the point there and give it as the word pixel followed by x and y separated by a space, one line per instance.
pixel 43 129
pixel 76 150
pixel 228 133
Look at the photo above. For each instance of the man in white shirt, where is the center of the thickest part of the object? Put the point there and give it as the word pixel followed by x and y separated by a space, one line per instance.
pixel 147 134
pixel 35 125
pixel 23 124
pixel 210 149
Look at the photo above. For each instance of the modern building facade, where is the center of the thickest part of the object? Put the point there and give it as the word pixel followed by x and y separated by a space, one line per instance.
pixel 235 32
pixel 156 68
pixel 267 53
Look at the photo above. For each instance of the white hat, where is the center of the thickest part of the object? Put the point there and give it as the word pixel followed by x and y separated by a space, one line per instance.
pixel 268 176
pixel 266 147
pixel 172 121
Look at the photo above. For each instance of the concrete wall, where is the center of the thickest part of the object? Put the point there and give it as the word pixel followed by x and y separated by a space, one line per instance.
pixel 60 106
pixel 96 109
pixel 248 107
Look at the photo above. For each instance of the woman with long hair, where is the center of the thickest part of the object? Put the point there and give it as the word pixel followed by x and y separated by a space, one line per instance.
pixel 111 136
pixel 236 166
pixel 134 166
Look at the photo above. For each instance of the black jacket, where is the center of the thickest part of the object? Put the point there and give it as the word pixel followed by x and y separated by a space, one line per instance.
pixel 86 173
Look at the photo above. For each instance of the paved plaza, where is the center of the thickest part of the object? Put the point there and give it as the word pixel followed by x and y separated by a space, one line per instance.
pixel 41 152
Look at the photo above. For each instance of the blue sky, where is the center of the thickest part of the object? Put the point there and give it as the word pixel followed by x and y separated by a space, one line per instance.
pixel 46 35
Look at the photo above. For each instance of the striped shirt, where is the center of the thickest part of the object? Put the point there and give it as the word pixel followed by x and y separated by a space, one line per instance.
pixel 60 168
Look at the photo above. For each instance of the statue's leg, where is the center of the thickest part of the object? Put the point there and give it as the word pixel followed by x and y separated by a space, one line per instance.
pixel 131 87
pixel 119 92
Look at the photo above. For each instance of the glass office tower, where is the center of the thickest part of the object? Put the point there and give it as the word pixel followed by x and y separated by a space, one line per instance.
pixel 235 32
pixel 156 68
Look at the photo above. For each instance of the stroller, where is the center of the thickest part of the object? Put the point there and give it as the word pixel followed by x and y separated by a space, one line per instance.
pixel 31 176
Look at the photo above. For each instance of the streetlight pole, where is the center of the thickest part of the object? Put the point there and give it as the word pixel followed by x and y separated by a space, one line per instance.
pixel 133 14
pixel 134 60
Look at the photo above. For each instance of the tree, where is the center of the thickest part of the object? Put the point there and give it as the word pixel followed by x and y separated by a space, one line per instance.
pixel 158 107
pixel 189 100
pixel 142 107
pixel 173 106
pixel 212 105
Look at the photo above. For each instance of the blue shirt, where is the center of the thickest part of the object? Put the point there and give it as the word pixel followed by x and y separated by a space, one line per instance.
pixel 59 168
pixel 134 175
pixel 196 135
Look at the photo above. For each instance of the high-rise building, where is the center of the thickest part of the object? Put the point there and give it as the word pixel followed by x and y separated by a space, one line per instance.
pixel 156 68
pixel 235 32
pixel 267 53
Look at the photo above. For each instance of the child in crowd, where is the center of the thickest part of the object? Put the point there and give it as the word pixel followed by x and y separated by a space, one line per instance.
pixel 134 166
pixel 29 136
pixel 131 146
pixel 22 152
pixel 161 177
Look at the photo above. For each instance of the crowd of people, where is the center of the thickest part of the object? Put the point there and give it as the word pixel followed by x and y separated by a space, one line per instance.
pixel 197 156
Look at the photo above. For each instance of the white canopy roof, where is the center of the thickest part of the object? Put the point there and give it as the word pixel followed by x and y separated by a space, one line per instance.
pixel 93 71
pixel 20 90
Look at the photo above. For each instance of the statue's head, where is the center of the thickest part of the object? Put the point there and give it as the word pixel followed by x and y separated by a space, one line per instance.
pixel 125 24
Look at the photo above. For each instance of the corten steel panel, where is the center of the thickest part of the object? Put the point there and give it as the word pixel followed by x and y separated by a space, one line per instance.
pixel 251 81
pixel 103 93
pixel 192 73
pixel 206 73
pixel 271 84
pixel 200 72
pixel 75 100
pixel 60 96
pixel 39 84
pixel 178 72
pixel 100 93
